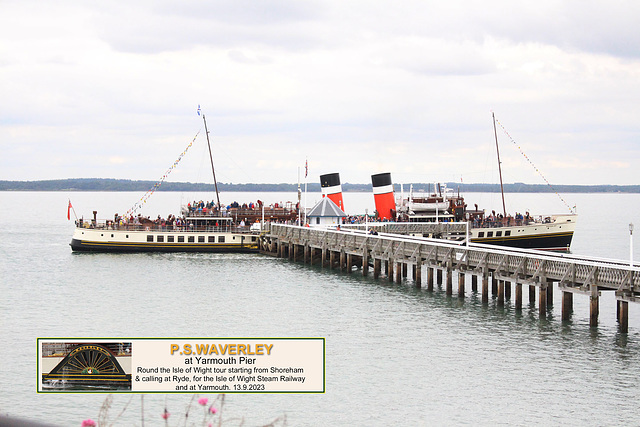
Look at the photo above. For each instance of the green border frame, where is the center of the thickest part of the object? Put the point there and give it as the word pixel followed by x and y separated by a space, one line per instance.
pixel 98 340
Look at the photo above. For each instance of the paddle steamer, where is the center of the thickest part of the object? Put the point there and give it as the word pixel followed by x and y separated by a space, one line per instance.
pixel 547 232
pixel 220 229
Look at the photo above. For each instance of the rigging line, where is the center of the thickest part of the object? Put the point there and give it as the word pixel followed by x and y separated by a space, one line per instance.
pixel 534 166
pixel 157 185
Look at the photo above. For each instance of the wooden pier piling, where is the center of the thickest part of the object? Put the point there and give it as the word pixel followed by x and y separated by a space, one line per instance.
pixel 485 287
pixel 567 305
pixel 500 293
pixel 461 279
pixel 518 296
pixel 542 305
pixel 594 306
pixel 498 267
pixel 623 317
pixel 532 294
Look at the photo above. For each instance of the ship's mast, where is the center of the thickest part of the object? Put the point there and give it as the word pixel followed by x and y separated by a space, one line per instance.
pixel 495 132
pixel 211 158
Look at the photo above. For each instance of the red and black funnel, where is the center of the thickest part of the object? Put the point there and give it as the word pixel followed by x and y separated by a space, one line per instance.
pixel 331 188
pixel 383 195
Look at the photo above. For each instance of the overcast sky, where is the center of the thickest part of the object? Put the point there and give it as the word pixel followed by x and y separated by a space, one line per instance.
pixel 110 89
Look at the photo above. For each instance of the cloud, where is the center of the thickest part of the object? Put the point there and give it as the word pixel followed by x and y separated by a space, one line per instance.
pixel 357 87
pixel 118 160
pixel 164 26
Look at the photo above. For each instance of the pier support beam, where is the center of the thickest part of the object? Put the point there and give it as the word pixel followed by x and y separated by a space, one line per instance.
pixel 542 305
pixel 332 259
pixel 306 253
pixel 567 305
pixel 594 307
pixel 532 294
pixel 623 316
pixel 449 280
pixel 349 263
pixel 507 290
pixel 417 274
pixel 439 276
pixel 500 293
pixel 430 278
pixel 404 270
pixel 518 296
pixel 474 283
pixel 377 266
pixel 549 294
pixel 461 279
pixel 365 262
pixel 485 287
pixel 494 285
pixel 389 270
pixel 400 267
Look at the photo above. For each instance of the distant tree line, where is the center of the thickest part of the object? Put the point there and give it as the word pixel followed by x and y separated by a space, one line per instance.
pixel 108 184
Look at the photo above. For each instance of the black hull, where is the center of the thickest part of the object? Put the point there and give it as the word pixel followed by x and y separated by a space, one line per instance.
pixel 118 381
pixel 551 242
pixel 84 246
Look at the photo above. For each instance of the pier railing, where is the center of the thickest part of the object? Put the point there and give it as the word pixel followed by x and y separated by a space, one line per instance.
pixel 430 228
pixel 188 228
pixel 572 273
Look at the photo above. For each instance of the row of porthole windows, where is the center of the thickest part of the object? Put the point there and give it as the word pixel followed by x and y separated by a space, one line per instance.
pixel 181 239
pixel 507 233
pixel 190 239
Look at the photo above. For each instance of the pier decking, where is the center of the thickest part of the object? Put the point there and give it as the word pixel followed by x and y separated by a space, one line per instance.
pixel 499 266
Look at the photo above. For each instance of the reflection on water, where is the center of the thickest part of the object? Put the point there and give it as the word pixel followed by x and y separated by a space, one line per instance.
pixel 61 385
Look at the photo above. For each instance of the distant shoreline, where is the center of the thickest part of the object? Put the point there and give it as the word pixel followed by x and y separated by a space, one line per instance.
pixel 107 184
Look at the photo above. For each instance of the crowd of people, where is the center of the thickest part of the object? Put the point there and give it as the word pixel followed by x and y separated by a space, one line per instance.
pixel 202 208
pixel 499 220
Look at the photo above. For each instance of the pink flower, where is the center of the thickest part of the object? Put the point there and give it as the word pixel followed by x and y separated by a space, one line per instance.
pixel 165 414
pixel 88 423
pixel 203 401
pixel 212 409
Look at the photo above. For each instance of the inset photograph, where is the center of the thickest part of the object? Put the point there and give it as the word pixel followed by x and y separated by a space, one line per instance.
pixel 85 366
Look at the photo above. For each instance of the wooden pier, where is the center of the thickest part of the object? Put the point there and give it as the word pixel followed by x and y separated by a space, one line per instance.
pixel 390 256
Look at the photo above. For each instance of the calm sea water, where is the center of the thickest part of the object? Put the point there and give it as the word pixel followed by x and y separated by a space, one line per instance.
pixel 395 355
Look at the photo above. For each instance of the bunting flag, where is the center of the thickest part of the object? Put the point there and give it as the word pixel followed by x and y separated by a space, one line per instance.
pixel 157 185
pixel 198 109
pixel 69 211
pixel 306 168
pixel 535 167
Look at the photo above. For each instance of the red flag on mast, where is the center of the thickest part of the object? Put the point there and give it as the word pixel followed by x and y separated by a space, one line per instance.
pixel 69 211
